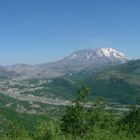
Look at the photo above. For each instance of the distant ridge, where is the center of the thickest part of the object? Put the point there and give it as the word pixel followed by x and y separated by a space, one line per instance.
pixel 96 59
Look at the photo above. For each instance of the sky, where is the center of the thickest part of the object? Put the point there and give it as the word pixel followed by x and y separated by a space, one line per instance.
pixel 40 31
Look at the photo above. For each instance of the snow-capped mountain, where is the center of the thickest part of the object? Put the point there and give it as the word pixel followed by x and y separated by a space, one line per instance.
pixel 93 59
pixel 98 54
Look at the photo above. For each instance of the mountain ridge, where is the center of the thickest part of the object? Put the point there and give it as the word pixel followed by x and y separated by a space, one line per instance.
pixel 98 58
pixel 116 84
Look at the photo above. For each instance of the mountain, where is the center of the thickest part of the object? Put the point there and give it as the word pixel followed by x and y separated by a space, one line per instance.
pixel 3 69
pixel 109 73
pixel 22 69
pixel 120 83
pixel 82 59
pixel 95 59
pixel 6 74
pixel 99 55
pixel 117 84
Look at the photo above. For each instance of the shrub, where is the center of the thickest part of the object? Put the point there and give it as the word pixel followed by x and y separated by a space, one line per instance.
pixel 132 121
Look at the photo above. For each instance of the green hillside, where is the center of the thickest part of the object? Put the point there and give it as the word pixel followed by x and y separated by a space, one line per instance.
pixel 76 123
pixel 120 83
pixel 26 113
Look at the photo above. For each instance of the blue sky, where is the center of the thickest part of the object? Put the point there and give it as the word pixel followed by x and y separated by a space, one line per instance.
pixel 38 31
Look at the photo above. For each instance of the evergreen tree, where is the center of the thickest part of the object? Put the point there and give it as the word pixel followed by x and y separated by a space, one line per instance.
pixel 74 120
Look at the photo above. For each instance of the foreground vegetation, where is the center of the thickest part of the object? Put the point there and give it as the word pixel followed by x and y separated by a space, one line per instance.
pixel 81 122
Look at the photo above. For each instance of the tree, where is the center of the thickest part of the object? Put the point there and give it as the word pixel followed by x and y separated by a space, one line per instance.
pixel 46 130
pixel 74 120
pixel 16 130
pixel 132 120
pixel 99 116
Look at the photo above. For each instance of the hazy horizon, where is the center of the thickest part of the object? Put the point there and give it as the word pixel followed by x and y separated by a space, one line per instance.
pixel 40 31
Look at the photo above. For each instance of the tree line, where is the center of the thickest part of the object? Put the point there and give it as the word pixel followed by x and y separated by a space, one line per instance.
pixel 81 123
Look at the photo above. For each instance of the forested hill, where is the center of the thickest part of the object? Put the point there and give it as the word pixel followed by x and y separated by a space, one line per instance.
pixel 119 83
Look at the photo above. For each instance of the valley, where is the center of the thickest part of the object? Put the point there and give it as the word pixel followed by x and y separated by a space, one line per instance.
pixel 119 80
pixel 117 74
pixel 31 93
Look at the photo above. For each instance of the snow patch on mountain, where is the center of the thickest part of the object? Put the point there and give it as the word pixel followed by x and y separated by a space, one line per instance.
pixel 98 53
pixel 95 59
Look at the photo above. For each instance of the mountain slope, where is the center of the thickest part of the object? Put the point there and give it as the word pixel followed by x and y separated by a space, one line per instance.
pixel 98 55
pixel 97 59
pixel 82 59
pixel 6 74
pixel 119 83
